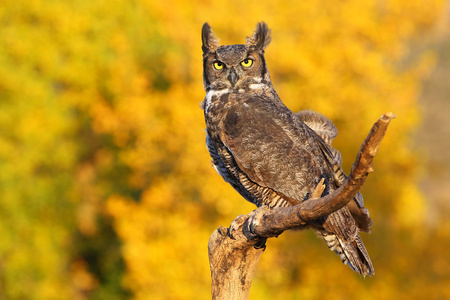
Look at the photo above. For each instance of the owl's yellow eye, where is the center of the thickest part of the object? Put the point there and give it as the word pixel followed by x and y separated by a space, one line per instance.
pixel 247 63
pixel 218 65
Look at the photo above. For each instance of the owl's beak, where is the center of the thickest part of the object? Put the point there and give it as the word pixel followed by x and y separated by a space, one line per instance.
pixel 232 77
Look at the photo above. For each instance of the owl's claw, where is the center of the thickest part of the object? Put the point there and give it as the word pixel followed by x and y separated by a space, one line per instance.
pixel 260 244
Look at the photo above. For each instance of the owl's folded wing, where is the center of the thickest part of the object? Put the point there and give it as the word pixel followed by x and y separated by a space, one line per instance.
pixel 274 149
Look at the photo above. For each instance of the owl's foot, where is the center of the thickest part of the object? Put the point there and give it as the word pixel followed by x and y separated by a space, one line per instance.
pixel 254 221
pixel 236 224
pixel 247 225
pixel 255 218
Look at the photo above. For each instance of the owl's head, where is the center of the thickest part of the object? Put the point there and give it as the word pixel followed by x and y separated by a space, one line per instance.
pixel 235 67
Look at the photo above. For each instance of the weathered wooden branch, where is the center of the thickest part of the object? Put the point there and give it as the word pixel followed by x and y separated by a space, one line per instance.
pixel 234 253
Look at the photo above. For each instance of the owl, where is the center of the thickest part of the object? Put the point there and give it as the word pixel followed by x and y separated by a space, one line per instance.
pixel 270 155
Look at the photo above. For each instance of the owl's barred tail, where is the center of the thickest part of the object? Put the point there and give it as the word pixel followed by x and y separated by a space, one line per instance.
pixel 353 254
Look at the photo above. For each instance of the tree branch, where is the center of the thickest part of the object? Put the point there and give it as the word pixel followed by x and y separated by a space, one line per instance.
pixel 234 257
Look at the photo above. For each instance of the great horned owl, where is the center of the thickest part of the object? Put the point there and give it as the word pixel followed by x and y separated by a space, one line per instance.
pixel 269 154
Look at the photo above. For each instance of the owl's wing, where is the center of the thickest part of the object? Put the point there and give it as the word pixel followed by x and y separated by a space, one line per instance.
pixel 273 147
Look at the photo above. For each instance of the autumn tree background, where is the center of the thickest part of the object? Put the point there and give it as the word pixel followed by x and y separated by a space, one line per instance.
pixel 106 190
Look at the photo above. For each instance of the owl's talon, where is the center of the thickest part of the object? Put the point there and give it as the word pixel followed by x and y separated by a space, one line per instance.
pixel 261 244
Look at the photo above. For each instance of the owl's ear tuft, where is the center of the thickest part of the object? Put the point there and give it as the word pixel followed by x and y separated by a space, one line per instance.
pixel 260 39
pixel 209 41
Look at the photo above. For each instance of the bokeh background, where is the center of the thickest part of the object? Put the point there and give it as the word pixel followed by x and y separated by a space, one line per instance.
pixel 106 187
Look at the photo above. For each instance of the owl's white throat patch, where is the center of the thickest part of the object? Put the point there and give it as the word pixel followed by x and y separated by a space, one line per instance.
pixel 256 86
pixel 213 93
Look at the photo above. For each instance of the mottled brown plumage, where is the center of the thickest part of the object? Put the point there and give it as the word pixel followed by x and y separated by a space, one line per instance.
pixel 269 154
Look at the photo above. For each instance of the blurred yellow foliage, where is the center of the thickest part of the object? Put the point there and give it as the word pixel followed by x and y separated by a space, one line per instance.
pixel 107 190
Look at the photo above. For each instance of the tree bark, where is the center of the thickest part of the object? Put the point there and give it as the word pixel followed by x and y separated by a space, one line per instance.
pixel 234 252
